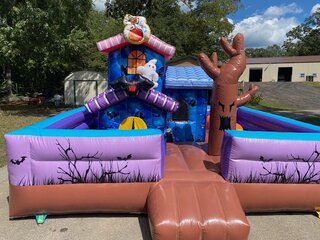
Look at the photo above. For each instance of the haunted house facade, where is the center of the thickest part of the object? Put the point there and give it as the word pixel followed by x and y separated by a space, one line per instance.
pixel 188 86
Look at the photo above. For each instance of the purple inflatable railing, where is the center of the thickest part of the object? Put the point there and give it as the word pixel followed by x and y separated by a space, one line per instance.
pixel 158 99
pixel 281 151
pixel 106 99
pixel 151 96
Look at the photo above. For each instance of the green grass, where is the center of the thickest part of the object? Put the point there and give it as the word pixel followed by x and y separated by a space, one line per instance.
pixel 312 120
pixel 270 105
pixel 17 115
pixel 313 84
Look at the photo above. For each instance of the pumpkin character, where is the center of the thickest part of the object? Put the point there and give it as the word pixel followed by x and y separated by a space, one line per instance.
pixel 136 29
pixel 225 99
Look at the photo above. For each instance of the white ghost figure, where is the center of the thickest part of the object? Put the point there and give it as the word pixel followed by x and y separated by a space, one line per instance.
pixel 149 71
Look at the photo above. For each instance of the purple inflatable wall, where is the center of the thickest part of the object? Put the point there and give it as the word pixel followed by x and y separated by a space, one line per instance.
pixel 278 150
pixel 43 160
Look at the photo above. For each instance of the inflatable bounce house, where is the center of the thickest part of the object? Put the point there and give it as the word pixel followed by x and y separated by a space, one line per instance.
pixel 140 147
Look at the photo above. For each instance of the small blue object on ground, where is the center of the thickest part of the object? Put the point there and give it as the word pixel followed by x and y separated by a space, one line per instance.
pixel 41 218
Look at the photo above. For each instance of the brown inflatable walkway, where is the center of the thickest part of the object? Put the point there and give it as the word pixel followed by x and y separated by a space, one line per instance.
pixel 201 210
pixel 194 203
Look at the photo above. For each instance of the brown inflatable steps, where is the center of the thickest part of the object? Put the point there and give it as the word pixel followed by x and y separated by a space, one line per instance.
pixel 196 210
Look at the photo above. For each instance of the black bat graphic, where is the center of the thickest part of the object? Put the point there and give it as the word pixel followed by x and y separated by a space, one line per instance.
pixel 125 158
pixel 264 159
pixel 192 102
pixel 139 114
pixel 18 162
pixel 124 70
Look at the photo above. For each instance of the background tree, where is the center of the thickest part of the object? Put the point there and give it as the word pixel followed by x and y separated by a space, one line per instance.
pixel 304 39
pixel 192 28
pixel 98 29
pixel 42 41
pixel 270 51
pixel 6 50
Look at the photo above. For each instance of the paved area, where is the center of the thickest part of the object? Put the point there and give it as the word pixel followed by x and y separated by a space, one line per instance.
pixel 299 95
pixel 287 226
pixel 302 98
pixel 72 227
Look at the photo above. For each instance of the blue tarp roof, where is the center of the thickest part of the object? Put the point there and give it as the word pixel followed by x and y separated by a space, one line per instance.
pixel 192 77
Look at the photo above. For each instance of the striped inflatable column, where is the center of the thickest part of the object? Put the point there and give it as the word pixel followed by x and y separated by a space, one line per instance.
pixel 158 99
pixel 105 99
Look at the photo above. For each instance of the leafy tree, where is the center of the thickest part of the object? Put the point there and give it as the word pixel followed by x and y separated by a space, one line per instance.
pixel 41 41
pixel 191 32
pixel 98 31
pixel 6 46
pixel 270 51
pixel 119 8
pixel 304 39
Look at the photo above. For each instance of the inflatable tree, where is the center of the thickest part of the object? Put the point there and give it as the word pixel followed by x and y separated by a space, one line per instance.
pixel 225 99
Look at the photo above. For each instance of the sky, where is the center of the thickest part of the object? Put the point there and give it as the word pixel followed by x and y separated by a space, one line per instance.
pixel 264 22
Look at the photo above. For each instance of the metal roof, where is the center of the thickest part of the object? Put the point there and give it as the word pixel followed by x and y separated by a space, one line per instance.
pixel 293 59
pixel 189 77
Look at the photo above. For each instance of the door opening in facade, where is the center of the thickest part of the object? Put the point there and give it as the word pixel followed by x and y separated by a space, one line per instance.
pixel 309 78
pixel 182 114
pixel 255 75
pixel 285 74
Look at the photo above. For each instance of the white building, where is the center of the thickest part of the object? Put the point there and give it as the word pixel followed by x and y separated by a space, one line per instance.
pixel 282 69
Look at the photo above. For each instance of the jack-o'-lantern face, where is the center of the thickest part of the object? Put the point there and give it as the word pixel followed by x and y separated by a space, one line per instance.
pixel 225 119
pixel 224 103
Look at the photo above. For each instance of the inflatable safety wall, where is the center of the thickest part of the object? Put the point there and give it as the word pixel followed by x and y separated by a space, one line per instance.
pixel 273 149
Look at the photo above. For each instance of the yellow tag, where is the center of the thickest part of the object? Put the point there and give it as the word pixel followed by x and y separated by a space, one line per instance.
pixel 317 209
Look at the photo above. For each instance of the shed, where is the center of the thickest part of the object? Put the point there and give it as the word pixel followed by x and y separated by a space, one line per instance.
pixel 80 87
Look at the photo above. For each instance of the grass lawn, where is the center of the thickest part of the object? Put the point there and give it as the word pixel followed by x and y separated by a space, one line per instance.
pixel 312 120
pixel 270 105
pixel 17 115
pixel 313 84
